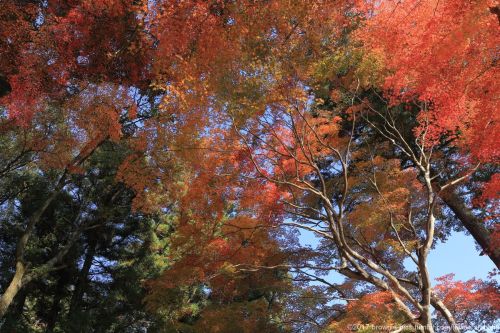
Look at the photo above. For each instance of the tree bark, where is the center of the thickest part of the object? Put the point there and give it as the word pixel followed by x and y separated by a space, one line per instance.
pixel 474 225
pixel 14 316
pixel 21 267
pixel 445 312
pixel 14 286
pixel 19 278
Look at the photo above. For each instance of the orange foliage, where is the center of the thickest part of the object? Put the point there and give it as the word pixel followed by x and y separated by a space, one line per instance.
pixel 377 308
pixel 444 53
pixel 472 302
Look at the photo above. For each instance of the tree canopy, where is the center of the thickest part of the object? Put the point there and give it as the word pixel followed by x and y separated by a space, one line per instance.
pixel 161 162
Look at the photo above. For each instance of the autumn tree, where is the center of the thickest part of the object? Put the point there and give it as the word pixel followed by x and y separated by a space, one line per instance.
pixel 81 86
pixel 372 213
pixel 224 127
pixel 438 59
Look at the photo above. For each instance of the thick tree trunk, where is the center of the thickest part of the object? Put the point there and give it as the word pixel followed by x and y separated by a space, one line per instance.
pixel 474 225
pixel 15 313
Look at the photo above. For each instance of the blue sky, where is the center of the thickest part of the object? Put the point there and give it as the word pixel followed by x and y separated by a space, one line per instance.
pixel 458 255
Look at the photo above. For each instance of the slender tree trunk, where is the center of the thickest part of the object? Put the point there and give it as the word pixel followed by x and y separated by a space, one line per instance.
pixel 423 252
pixel 76 300
pixel 426 313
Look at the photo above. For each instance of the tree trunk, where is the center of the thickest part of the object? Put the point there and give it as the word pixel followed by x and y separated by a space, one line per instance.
pixel 17 281
pixel 19 276
pixel 76 300
pixel 474 225
pixel 13 317
pixel 14 286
